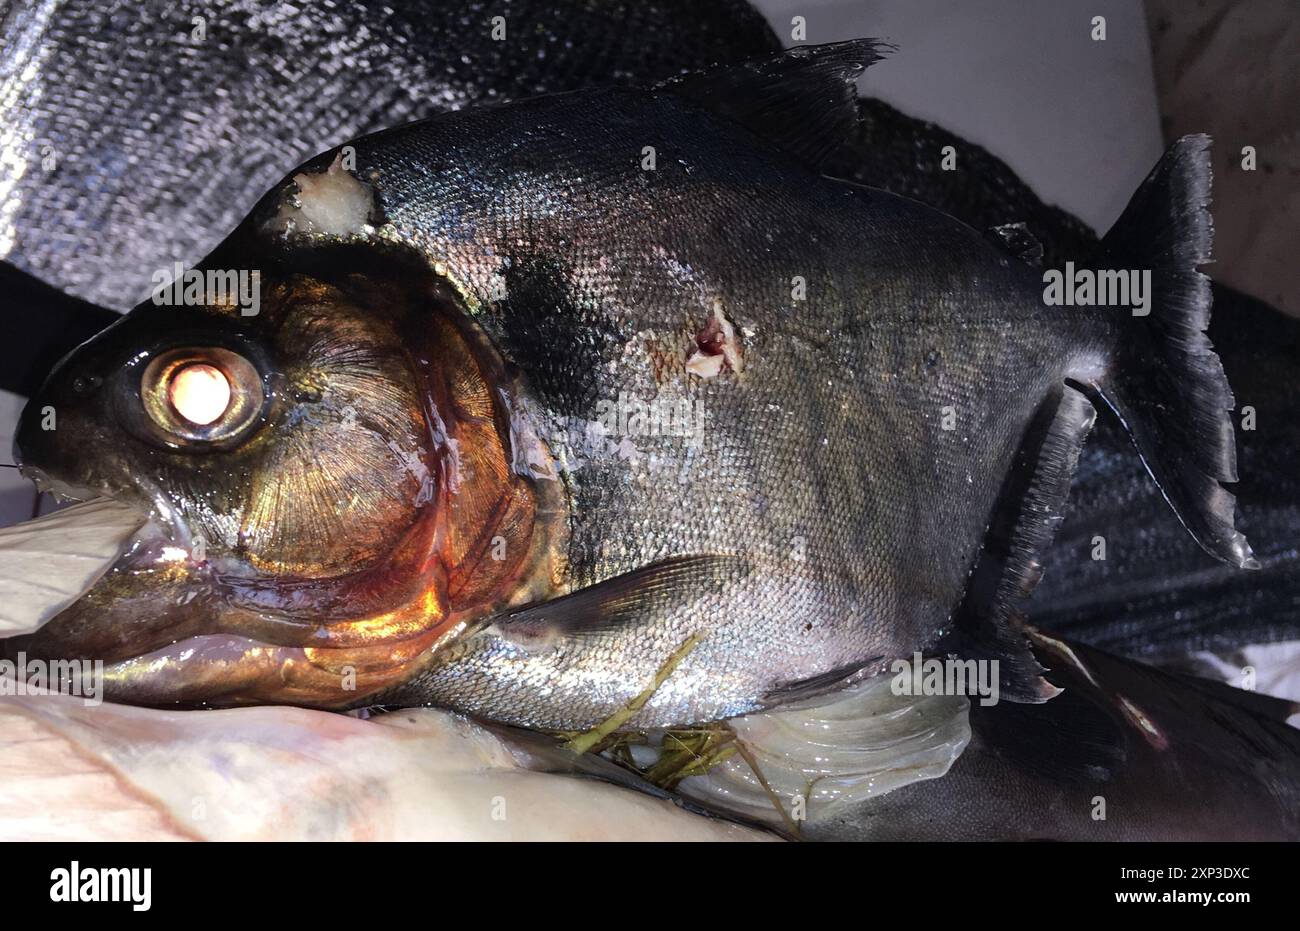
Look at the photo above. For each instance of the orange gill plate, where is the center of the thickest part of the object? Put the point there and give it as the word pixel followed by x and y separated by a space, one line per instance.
pixel 486 540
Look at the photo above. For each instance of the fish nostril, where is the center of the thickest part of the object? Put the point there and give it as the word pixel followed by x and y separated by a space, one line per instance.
pixel 84 384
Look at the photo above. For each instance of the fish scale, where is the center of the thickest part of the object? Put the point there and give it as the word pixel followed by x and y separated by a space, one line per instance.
pixel 880 469
pixel 835 418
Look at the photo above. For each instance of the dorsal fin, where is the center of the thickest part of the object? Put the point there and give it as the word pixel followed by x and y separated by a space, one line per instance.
pixel 1016 239
pixel 804 100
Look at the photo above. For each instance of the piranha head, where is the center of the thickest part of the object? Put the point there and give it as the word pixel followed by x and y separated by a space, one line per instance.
pixel 329 487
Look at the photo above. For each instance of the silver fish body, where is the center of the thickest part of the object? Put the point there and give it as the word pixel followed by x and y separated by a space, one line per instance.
pixel 852 465
pixel 438 472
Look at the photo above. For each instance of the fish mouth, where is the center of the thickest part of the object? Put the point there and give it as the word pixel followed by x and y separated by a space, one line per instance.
pixel 160 516
pixel 50 563
pixel 106 582
pixel 62 492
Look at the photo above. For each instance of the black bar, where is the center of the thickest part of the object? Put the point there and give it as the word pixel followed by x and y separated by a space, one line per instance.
pixel 904 882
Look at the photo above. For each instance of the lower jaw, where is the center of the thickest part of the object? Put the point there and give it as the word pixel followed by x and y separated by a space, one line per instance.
pixel 221 670
pixel 187 660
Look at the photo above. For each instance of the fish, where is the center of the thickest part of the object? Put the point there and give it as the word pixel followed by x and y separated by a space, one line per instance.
pixel 1118 717
pixel 417 485
pixel 150 217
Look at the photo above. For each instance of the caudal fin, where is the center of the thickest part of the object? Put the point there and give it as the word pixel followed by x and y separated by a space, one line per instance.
pixel 1168 387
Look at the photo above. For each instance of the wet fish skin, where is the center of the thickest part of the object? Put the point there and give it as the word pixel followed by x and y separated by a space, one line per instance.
pixel 828 442
pixel 830 436
pixel 885 151
pixel 823 459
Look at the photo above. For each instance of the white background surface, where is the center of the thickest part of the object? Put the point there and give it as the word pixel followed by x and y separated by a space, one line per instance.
pixel 1077 119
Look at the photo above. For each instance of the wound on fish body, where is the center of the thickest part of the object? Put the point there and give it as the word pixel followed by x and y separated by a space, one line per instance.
pixel 716 345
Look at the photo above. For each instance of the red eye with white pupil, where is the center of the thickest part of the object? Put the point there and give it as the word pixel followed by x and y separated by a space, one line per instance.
pixel 200 393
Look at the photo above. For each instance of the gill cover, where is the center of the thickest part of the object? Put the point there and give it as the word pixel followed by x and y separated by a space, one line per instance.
pixel 335 483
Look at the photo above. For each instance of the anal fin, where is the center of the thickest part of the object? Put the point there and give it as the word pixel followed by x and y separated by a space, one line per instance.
pixel 828 753
pixel 990 623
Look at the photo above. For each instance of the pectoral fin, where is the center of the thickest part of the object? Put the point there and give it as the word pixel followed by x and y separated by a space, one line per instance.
pixel 640 596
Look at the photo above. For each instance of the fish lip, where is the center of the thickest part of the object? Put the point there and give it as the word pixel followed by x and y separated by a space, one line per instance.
pixel 161 515
pixel 61 491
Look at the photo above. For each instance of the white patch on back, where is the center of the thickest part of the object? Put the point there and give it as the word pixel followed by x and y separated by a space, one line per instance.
pixel 329 203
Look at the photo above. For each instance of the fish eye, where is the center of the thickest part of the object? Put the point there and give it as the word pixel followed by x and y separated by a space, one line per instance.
pixel 200 393
pixel 205 394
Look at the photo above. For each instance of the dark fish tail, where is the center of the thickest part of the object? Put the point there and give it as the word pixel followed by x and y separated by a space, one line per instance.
pixel 1168 386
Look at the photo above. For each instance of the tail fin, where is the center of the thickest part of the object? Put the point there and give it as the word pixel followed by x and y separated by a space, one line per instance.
pixel 1169 389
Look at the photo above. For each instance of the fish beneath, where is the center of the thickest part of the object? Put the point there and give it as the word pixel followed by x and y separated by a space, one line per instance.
pixel 407 496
